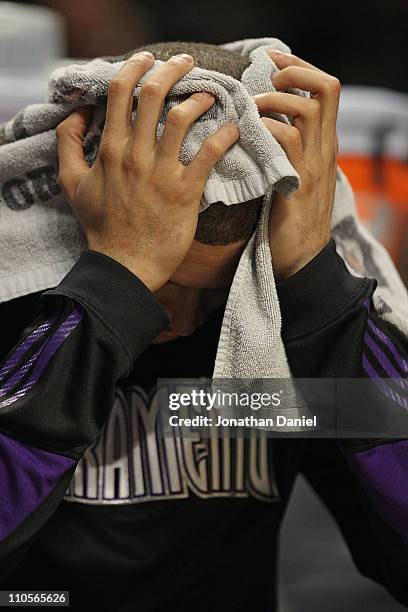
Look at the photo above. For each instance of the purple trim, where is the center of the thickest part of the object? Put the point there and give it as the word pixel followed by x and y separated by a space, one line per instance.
pixel 380 383
pixel 19 374
pixel 385 362
pixel 384 473
pixel 27 477
pixel 367 304
pixel 403 363
pixel 24 346
pixel 45 354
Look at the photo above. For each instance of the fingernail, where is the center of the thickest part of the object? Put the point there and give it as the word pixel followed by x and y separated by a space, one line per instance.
pixel 183 57
pixel 276 52
pixel 142 54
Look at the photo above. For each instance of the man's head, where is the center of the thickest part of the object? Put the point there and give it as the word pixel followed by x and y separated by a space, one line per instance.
pixel 203 280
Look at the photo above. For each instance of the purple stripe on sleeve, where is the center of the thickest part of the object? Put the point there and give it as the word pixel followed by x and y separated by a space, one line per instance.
pixel 367 304
pixel 384 473
pixel 385 362
pixel 19 374
pixel 381 384
pixel 402 363
pixel 19 351
pixel 47 351
pixel 27 477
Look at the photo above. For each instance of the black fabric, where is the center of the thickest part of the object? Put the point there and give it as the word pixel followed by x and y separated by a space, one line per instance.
pixel 19 542
pixel 202 553
pixel 65 409
pixel 319 294
pixel 378 551
pixel 109 563
pixel 126 298
pixel 16 316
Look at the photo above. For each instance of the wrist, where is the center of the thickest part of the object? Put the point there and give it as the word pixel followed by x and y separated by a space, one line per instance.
pixel 141 269
pixel 285 270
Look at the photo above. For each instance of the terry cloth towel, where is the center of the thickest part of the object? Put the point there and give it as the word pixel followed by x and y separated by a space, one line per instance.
pixel 40 239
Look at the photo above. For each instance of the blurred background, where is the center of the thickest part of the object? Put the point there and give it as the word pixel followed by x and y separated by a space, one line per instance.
pixel 365 44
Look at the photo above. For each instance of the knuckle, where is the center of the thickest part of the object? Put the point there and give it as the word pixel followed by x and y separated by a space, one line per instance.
pixel 178 192
pixel 132 162
pixel 66 131
pixel 60 130
pixel 294 58
pixel 107 151
pixel 151 90
pixel 213 149
pixel 177 116
pixel 333 85
pixel 205 159
pixel 231 130
pixel 293 137
pixel 290 70
pixel 118 86
pixel 277 96
pixel 269 124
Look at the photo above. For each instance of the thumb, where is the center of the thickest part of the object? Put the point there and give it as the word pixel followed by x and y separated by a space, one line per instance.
pixel 72 164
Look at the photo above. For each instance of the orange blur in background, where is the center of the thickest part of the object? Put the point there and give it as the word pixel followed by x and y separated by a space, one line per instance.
pixel 381 189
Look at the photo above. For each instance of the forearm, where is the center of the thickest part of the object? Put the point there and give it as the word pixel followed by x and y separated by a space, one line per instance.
pixel 332 330
pixel 324 318
pixel 57 387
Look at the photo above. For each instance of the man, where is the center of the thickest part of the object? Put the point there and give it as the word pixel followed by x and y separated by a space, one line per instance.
pixel 156 528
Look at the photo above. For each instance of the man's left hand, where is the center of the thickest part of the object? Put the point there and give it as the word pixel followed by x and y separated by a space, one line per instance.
pixel 300 227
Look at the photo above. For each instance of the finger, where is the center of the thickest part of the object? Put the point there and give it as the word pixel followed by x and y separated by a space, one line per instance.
pixel 322 86
pixel 283 60
pixel 290 140
pixel 152 97
pixel 72 164
pixel 211 151
pixel 120 96
pixel 178 121
pixel 305 113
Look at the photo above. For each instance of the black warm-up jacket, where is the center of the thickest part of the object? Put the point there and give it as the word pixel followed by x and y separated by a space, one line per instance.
pixel 150 525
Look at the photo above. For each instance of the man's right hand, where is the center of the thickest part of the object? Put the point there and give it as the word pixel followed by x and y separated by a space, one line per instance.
pixel 138 203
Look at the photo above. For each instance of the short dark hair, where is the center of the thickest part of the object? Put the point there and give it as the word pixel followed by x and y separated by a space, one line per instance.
pixel 218 224
pixel 221 224
pixel 210 57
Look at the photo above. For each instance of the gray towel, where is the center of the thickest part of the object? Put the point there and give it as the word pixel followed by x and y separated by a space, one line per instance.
pixel 40 239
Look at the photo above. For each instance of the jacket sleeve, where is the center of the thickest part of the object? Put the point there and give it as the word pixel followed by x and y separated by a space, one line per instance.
pixel 57 387
pixel 331 330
